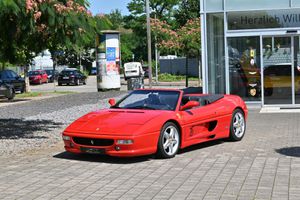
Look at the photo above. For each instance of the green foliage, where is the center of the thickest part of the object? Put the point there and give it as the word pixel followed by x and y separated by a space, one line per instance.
pixel 173 78
pixel 187 10
pixel 116 18
pixel 136 21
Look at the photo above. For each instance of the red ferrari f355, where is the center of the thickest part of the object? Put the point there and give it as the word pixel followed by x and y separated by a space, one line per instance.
pixel 157 121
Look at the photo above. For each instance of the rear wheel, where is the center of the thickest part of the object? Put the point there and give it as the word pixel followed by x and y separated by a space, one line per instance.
pixel 169 141
pixel 238 125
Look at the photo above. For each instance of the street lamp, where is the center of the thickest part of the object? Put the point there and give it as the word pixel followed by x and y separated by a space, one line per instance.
pixel 149 43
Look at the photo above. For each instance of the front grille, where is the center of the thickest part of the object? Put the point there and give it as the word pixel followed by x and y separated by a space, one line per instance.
pixel 93 142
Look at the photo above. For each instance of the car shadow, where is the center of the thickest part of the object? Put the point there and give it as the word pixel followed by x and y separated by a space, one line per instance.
pixel 102 158
pixel 20 128
pixel 201 146
pixel 289 151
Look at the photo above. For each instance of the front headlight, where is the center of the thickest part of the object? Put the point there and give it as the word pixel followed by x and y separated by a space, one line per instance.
pixel 66 138
pixel 126 142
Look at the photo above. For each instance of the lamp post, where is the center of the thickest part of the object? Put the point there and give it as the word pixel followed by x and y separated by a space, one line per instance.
pixel 149 43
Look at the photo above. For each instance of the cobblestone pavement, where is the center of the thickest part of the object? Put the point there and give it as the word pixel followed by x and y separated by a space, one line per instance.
pixel 264 165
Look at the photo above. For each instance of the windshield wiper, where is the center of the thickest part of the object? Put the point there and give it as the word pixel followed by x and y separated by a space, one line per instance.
pixel 142 107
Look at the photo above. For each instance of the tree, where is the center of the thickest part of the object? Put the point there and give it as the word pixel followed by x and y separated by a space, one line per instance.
pixel 136 21
pixel 116 18
pixel 185 40
pixel 187 10
pixel 34 25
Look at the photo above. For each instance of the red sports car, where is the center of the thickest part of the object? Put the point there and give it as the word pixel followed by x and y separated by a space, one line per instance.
pixel 154 121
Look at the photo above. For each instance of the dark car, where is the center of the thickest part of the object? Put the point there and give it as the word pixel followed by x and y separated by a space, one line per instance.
pixel 71 76
pixel 6 90
pixel 12 78
pixel 93 71
pixel 52 75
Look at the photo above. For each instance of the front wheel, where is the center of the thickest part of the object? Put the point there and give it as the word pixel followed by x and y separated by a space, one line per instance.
pixel 77 82
pixel 11 94
pixel 169 141
pixel 238 125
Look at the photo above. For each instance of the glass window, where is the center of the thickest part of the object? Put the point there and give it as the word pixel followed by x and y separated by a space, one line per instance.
pixel 264 19
pixel 214 5
pixel 295 3
pixel 216 53
pixel 256 4
pixel 244 67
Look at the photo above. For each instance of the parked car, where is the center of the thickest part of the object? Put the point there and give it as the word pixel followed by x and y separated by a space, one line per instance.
pixel 12 78
pixel 71 76
pixel 7 90
pixel 38 77
pixel 93 71
pixel 157 121
pixel 133 70
pixel 52 75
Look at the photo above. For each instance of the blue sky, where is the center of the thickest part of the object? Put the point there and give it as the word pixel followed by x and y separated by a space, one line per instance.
pixel 105 6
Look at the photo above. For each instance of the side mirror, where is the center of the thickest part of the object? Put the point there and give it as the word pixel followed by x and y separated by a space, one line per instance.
pixel 189 105
pixel 112 102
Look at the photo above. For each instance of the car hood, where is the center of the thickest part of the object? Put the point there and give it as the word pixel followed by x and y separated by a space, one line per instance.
pixel 112 122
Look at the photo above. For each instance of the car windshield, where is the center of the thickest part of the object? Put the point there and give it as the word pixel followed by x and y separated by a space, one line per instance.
pixel 32 73
pixel 67 72
pixel 150 100
pixel 49 72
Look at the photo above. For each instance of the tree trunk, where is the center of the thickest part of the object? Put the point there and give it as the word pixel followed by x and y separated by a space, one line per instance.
pixel 27 85
pixel 187 72
pixel 200 69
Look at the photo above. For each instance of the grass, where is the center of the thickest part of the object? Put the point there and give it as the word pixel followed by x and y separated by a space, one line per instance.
pixel 40 94
pixel 174 78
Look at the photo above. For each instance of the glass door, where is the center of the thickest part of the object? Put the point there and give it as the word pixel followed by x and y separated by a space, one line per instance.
pixel 277 70
pixel 297 68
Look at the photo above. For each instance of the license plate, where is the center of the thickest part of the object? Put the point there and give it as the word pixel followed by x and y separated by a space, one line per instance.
pixel 65 77
pixel 92 150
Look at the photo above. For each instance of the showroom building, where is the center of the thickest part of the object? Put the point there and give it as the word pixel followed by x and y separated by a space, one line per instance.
pixel 251 48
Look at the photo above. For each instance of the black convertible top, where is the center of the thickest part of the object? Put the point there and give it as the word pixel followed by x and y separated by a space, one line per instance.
pixel 203 99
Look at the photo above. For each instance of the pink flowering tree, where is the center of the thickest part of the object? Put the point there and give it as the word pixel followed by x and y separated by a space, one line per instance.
pixel 35 25
pixel 184 40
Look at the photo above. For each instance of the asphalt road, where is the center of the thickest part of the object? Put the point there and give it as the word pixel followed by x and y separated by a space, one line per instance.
pixel 91 86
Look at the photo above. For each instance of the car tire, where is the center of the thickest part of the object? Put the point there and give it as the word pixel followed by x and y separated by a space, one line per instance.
pixel 59 84
pixel 238 125
pixel 169 141
pixel 11 94
pixel 84 82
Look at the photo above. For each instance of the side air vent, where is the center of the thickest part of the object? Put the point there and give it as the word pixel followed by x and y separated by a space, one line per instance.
pixel 212 126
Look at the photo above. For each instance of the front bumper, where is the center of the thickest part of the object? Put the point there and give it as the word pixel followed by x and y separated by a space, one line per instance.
pixel 145 144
